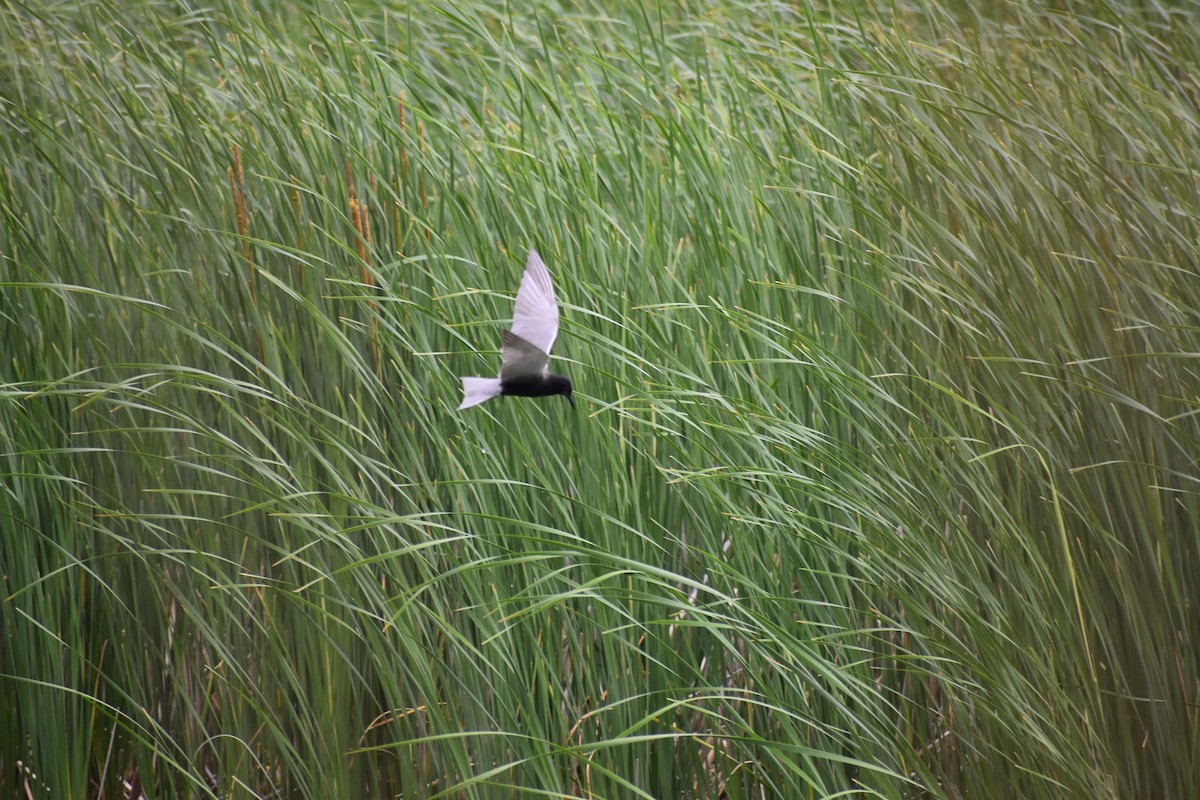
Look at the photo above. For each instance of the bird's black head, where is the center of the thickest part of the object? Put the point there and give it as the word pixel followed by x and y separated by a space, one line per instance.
pixel 560 384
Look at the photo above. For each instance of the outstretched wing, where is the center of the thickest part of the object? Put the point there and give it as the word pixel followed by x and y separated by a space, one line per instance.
pixel 536 317
pixel 519 358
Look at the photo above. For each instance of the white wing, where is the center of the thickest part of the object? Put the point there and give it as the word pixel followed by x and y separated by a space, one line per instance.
pixel 536 317
pixel 520 358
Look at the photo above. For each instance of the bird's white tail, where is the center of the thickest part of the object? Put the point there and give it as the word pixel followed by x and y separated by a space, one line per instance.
pixel 478 390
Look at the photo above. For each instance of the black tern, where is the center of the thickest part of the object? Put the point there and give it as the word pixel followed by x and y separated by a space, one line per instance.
pixel 525 349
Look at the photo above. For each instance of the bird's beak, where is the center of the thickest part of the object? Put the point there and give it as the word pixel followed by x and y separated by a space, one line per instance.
pixel 571 400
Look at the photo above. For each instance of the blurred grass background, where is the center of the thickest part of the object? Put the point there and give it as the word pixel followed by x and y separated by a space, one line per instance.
pixel 884 320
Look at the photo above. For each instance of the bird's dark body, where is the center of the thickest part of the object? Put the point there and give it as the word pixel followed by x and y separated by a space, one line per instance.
pixel 537 386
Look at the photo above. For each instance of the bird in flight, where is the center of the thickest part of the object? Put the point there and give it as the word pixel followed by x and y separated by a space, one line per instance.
pixel 525 349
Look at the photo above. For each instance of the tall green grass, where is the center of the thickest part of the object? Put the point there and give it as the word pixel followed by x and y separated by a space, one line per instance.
pixel 884 319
